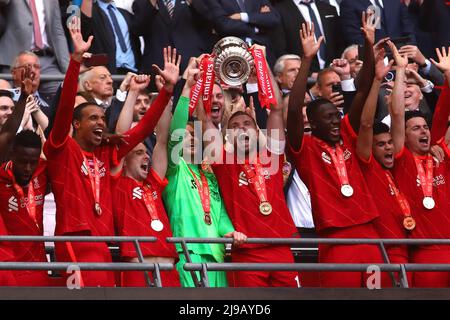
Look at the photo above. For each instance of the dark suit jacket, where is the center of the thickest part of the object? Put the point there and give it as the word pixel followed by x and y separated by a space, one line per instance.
pixel 188 31
pixel 286 38
pixel 219 10
pixel 103 32
pixel 397 23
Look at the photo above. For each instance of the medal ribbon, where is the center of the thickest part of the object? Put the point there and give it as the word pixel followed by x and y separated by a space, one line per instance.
pixel 203 191
pixel 203 86
pixel 337 157
pixel 149 202
pixel 95 179
pixel 401 199
pixel 266 93
pixel 31 204
pixel 426 178
pixel 257 180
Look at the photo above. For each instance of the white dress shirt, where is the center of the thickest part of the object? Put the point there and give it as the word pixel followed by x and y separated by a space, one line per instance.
pixel 305 13
pixel 41 16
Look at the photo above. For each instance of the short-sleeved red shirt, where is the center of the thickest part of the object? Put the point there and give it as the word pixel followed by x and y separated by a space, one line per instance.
pixel 242 203
pixel 16 217
pixel 433 223
pixel 329 207
pixel 133 219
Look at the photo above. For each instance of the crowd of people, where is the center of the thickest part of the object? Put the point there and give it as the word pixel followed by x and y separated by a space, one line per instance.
pixel 341 131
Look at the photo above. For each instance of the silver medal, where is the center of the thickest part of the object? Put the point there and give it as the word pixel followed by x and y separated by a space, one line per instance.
pixel 347 190
pixel 428 203
pixel 157 225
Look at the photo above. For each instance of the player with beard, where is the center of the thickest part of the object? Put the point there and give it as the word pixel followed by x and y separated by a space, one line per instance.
pixel 342 203
pixel 79 167
pixel 192 197
pixel 251 183
pixel 425 182
pixel 376 148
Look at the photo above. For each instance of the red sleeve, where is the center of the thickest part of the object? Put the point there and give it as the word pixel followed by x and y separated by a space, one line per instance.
pixel 440 117
pixel 157 182
pixel 444 147
pixel 64 113
pixel 145 127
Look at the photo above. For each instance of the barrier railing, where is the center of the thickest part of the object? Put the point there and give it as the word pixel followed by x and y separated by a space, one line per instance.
pixel 203 268
pixel 386 266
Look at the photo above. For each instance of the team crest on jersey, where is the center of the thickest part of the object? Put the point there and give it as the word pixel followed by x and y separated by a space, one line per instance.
pixel 13 205
pixel 437 181
pixel 36 184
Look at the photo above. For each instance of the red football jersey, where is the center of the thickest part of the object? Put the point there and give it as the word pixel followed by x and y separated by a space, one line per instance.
pixel 389 225
pixel 242 202
pixel 16 217
pixel 133 219
pixel 434 223
pixel 6 254
pixel 330 208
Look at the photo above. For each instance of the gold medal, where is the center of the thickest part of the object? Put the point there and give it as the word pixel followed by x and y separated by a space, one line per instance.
pixel 207 218
pixel 409 223
pixel 98 209
pixel 265 208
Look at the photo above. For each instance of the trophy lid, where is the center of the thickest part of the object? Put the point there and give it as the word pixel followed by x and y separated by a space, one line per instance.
pixel 229 41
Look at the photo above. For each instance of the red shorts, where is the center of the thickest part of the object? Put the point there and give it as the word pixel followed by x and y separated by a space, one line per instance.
pixel 269 254
pixel 436 254
pixel 137 278
pixel 86 252
pixel 358 253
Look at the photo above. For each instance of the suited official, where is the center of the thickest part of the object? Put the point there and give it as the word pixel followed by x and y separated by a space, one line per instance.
pixel 286 38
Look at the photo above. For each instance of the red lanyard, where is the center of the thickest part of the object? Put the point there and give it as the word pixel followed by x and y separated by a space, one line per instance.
pixel 426 178
pixel 203 191
pixel 257 180
pixel 401 199
pixel 337 156
pixel 149 202
pixel 31 204
pixel 95 181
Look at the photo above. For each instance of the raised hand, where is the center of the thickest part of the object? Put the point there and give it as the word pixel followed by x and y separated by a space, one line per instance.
pixel 444 60
pixel 380 68
pixel 342 68
pixel 414 53
pixel 400 61
pixel 139 82
pixel 171 68
pixel 125 85
pixel 79 45
pixel 369 23
pixel 27 77
pixel 309 43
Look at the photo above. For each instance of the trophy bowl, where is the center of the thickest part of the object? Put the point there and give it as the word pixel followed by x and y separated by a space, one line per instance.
pixel 232 63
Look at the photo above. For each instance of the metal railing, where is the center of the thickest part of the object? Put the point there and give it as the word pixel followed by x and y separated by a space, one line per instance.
pixel 203 268
pixel 387 266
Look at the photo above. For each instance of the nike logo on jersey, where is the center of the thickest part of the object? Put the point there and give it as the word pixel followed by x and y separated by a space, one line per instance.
pixel 13 205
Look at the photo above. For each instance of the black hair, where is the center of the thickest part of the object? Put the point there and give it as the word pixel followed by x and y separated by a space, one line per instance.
pixel 380 127
pixel 322 73
pixel 313 107
pixel 415 114
pixel 242 113
pixel 77 112
pixel 27 139
pixel 6 93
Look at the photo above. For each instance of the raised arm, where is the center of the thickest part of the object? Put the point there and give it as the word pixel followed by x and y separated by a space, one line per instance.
pixel 159 156
pixel 297 96
pixel 63 117
pixel 151 117
pixel 442 111
pixel 137 83
pixel 367 70
pixel 365 134
pixel 9 129
pixel 397 109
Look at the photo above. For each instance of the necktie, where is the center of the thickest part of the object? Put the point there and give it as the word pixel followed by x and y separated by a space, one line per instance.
pixel 36 27
pixel 241 4
pixel 317 31
pixel 117 30
pixel 170 7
